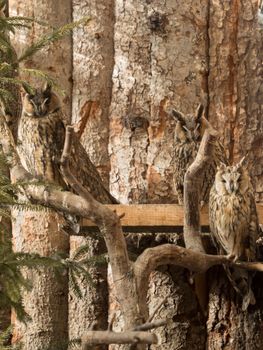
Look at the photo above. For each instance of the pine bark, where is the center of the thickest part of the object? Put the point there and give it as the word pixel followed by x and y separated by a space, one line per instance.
pixel 92 71
pixel 160 56
pixel 235 92
pixel 186 53
pixel 47 303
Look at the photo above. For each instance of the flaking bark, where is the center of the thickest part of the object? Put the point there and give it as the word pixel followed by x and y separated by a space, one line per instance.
pixel 92 72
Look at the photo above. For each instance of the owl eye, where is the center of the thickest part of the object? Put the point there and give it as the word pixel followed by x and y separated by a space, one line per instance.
pixel 32 102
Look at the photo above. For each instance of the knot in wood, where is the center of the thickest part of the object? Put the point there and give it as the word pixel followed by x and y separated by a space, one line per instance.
pixel 157 22
pixel 134 123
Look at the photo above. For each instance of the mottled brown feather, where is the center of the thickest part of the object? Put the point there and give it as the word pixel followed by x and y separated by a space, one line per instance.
pixel 188 135
pixel 234 223
pixel 41 136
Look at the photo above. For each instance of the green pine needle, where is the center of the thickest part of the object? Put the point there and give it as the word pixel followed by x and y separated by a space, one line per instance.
pixel 5 45
pixel 46 77
pixel 55 35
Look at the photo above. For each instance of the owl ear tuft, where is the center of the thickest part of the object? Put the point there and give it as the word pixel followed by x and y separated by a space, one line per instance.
pixel 221 166
pixel 178 116
pixel 243 162
pixel 47 88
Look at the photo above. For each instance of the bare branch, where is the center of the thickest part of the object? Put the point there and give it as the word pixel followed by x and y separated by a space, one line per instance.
pixel 131 288
pixel 192 180
pixel 128 337
pixel 109 225
pixel 169 254
pixel 152 325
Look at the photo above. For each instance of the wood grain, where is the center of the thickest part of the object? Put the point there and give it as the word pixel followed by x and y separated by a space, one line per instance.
pixel 137 215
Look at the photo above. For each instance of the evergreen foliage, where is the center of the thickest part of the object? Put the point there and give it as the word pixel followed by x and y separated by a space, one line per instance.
pixel 9 61
pixel 12 264
pixel 12 280
pixel 5 340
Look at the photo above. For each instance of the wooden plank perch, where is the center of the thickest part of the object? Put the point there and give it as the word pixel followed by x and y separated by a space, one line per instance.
pixel 157 215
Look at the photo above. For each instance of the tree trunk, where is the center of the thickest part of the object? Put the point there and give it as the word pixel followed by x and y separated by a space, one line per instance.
pixel 92 71
pixel 160 56
pixel 12 114
pixel 56 60
pixel 235 91
pixel 39 232
pixel 175 52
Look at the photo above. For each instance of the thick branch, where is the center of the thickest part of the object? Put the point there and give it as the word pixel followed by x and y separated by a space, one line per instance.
pixel 192 180
pixel 170 254
pixel 132 300
pixel 128 337
pixel 109 225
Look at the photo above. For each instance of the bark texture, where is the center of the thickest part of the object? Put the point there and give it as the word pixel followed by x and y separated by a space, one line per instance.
pixel 92 71
pixel 235 81
pixel 47 302
pixel 160 56
pixel 235 109
pixel 39 232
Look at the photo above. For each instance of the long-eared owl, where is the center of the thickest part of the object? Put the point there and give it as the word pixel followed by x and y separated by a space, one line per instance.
pixel 188 135
pixel 41 135
pixel 234 223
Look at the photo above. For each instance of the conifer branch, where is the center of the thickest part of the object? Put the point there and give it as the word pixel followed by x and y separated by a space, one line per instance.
pixel 55 35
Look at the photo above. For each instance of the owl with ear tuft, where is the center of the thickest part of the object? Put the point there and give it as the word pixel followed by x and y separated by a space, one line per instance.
pixel 41 136
pixel 189 130
pixel 234 223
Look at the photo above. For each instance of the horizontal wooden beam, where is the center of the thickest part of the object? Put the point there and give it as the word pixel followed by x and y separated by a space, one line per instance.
pixel 157 215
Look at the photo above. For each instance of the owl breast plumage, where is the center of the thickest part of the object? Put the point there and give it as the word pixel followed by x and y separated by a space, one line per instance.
pixel 232 211
pixel 188 134
pixel 234 223
pixel 41 135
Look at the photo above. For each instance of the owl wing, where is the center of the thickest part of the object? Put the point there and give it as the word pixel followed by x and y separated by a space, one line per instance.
pixel 213 213
pixel 253 232
pixel 56 150
pixel 87 174
pixel 219 156
pixel 221 240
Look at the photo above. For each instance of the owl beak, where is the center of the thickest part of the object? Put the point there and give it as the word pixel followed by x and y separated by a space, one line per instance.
pixel 232 187
pixel 188 133
pixel 40 113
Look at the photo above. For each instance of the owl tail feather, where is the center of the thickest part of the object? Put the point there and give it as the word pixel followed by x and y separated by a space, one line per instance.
pixel 241 282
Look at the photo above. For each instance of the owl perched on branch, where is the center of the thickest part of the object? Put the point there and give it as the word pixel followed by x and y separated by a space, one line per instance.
pixel 41 135
pixel 234 223
pixel 188 135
